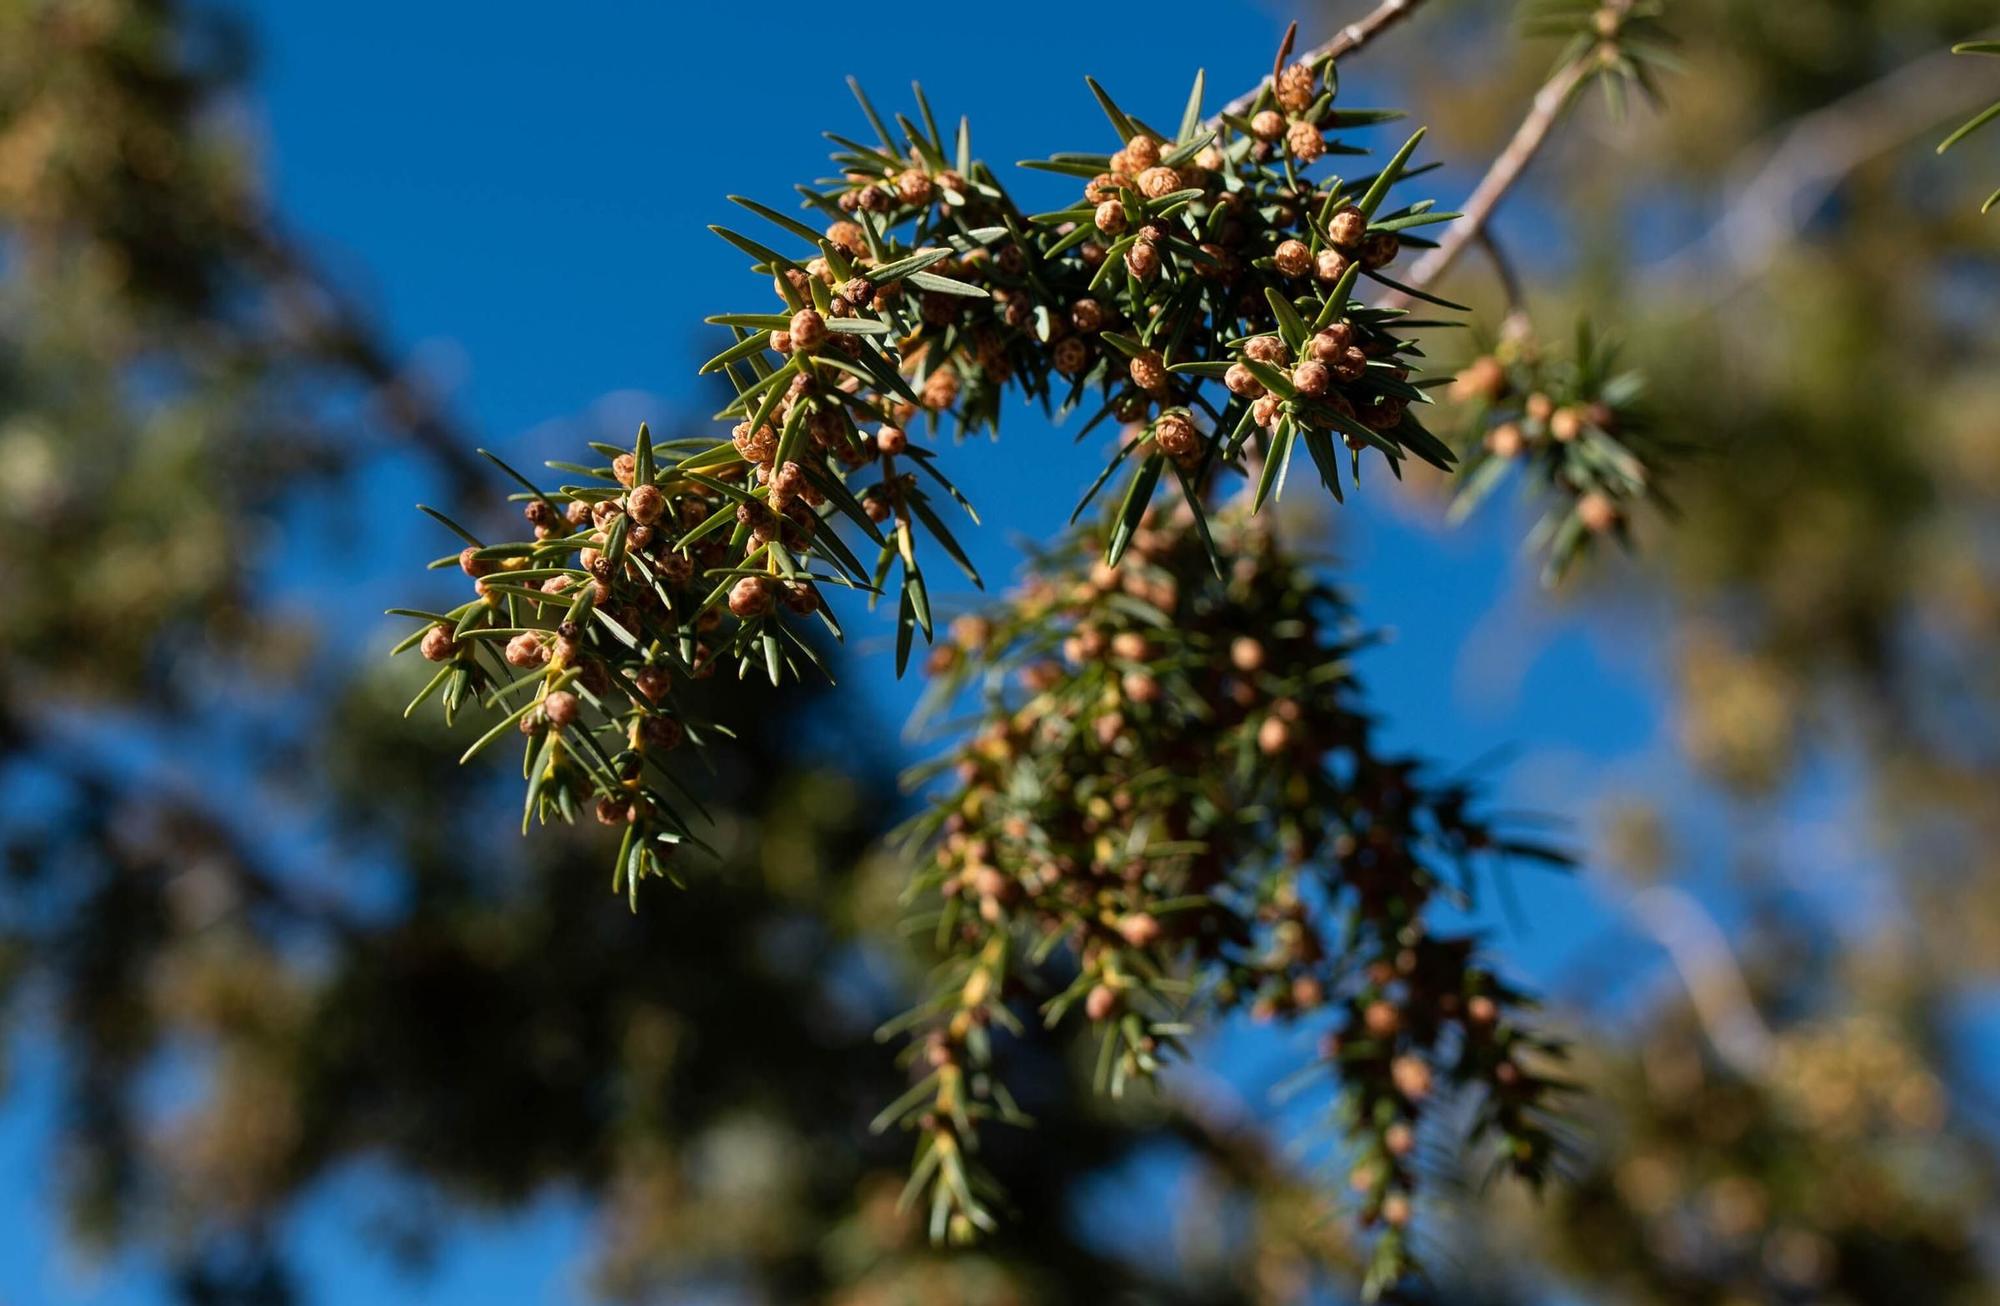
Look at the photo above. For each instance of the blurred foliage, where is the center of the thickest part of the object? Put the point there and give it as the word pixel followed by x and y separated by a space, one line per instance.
pixel 158 328
pixel 1195 821
pixel 336 954
pixel 1824 344
pixel 1980 119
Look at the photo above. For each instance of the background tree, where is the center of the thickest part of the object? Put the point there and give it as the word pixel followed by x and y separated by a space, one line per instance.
pixel 1824 586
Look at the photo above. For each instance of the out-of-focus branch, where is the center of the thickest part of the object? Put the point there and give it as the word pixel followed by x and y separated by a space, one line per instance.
pixel 1790 173
pixel 1220 1130
pixel 1507 168
pixel 196 823
pixel 348 338
pixel 1344 42
pixel 1516 325
pixel 1715 984
pixel 1705 968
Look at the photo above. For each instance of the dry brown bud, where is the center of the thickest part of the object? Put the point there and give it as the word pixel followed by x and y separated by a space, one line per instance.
pixel 1348 227
pixel 1328 345
pixel 1140 929
pixel 1157 183
pixel 1297 86
pixel 1242 382
pixel 526 650
pixel 848 237
pixel 1412 1077
pixel 560 708
pixel 1293 258
pixel 438 645
pixel 1483 378
pixel 1303 139
pixel 1143 260
pixel 1266 349
pixel 1176 435
pixel 750 597
pixel 1148 372
pixel 808 330
pixel 1312 377
pixel 1139 687
pixel 653 683
pixel 646 504
pixel 1399 1139
pixel 914 187
pixel 1597 511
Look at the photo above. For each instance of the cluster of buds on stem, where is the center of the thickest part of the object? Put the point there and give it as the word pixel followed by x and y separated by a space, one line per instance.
pixel 1574 425
pixel 1209 256
pixel 1160 817
pixel 1174 805
pixel 1193 258
pixel 642 574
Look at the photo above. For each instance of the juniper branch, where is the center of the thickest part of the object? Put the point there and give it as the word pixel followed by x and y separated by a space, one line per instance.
pixel 1342 43
pixel 1511 163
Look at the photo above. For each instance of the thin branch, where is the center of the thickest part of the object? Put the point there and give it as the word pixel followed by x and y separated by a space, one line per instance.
pixel 1516 325
pixel 1506 169
pixel 1344 42
pixel 1543 113
pixel 1708 968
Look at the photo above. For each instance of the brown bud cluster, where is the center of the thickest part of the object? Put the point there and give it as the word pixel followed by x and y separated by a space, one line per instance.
pixel 1592 457
pixel 1078 768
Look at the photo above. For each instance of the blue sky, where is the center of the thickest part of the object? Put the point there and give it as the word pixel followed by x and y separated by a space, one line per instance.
pixel 522 197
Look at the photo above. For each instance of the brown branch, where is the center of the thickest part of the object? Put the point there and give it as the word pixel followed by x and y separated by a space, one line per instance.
pixel 1344 42
pixel 1506 169
pixel 1516 325
pixel 1529 137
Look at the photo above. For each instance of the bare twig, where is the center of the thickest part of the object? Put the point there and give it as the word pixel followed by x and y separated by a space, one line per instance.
pixel 1344 42
pixel 1506 169
pixel 1715 985
pixel 1516 324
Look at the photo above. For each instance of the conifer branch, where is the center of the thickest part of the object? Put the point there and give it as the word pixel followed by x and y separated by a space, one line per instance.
pixel 1512 161
pixel 1342 43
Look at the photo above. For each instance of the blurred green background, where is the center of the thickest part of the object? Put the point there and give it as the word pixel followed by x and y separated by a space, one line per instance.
pixel 292 1012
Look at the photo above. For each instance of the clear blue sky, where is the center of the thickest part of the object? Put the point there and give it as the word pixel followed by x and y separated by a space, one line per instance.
pixel 522 190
